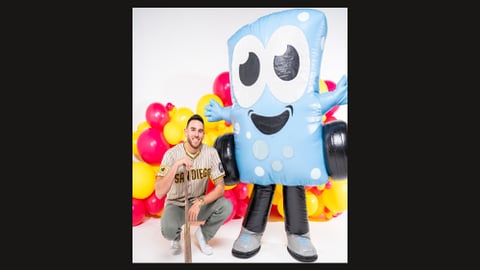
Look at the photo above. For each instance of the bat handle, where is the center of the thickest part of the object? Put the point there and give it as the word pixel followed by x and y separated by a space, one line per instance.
pixel 188 244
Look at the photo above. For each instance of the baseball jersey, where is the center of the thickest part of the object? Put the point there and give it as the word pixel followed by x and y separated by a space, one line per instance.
pixel 206 164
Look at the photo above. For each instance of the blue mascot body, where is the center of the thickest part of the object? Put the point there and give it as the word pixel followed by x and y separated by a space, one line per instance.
pixel 276 113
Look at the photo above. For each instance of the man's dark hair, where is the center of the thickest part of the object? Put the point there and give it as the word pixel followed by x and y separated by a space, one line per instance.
pixel 195 117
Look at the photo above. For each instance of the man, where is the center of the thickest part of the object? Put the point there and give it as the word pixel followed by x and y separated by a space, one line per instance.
pixel 201 162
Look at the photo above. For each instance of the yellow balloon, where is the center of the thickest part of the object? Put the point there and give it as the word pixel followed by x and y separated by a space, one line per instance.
pixel 172 112
pixel 335 197
pixel 323 86
pixel 181 116
pixel 229 187
pixel 229 129
pixel 280 208
pixel 134 144
pixel 221 127
pixel 278 195
pixel 209 139
pixel 204 101
pixel 143 180
pixel 155 168
pixel 214 134
pixel 320 209
pixel 142 126
pixel 249 189
pixel 173 132
pixel 312 203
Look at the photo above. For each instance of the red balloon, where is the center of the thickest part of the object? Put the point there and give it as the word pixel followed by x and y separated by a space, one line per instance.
pixel 152 145
pixel 157 115
pixel 330 118
pixel 229 193
pixel 330 85
pixel 210 185
pixel 138 211
pixel 242 206
pixel 221 88
pixel 153 204
pixel 241 190
pixel 274 212
pixel 169 106
pixel 315 190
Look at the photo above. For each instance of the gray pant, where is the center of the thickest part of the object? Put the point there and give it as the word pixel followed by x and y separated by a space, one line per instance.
pixel 214 214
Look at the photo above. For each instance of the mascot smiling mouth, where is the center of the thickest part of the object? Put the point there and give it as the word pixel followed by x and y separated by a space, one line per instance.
pixel 269 125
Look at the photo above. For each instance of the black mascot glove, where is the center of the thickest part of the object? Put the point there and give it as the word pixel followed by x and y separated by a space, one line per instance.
pixel 335 138
pixel 225 146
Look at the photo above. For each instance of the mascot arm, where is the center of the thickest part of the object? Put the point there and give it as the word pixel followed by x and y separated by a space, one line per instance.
pixel 339 96
pixel 216 112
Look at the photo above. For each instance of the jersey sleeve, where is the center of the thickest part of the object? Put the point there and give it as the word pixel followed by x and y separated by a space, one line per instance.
pixel 166 163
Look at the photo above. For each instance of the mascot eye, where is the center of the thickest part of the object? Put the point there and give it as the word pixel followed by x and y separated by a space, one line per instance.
pixel 286 65
pixel 250 70
pixel 246 66
pixel 289 69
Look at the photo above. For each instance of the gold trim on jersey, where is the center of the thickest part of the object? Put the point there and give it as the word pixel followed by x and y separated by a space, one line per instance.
pixel 218 178
pixel 190 155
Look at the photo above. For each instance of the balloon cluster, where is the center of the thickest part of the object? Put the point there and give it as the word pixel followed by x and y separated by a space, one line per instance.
pixel 164 128
pixel 323 202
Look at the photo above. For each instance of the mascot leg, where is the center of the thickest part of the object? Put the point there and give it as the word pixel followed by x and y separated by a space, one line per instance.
pixel 249 241
pixel 296 224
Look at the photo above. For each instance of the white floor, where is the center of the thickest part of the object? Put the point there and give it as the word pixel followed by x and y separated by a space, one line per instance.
pixel 329 238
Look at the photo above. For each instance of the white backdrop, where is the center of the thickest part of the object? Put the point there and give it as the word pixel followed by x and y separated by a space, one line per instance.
pixel 178 52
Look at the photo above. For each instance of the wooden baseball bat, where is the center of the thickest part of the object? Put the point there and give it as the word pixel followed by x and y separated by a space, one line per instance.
pixel 187 239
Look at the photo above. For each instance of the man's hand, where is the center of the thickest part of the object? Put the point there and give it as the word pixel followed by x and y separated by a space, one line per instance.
pixel 194 210
pixel 185 161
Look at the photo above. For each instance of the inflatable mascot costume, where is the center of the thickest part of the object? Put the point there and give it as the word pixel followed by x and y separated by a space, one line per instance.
pixel 278 134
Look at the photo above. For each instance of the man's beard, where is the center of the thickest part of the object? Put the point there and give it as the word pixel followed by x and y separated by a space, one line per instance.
pixel 196 147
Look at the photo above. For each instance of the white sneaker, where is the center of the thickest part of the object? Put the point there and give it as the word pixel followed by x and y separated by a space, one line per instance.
pixel 204 247
pixel 175 247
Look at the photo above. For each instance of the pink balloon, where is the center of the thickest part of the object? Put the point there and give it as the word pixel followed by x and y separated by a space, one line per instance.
pixel 169 106
pixel 152 145
pixel 241 191
pixel 314 189
pixel 242 206
pixel 138 211
pixel 330 118
pixel 331 86
pixel 221 88
pixel 229 193
pixel 153 204
pixel 210 186
pixel 157 115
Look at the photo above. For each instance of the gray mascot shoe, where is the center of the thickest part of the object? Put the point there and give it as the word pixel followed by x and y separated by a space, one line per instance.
pixel 247 244
pixel 301 247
